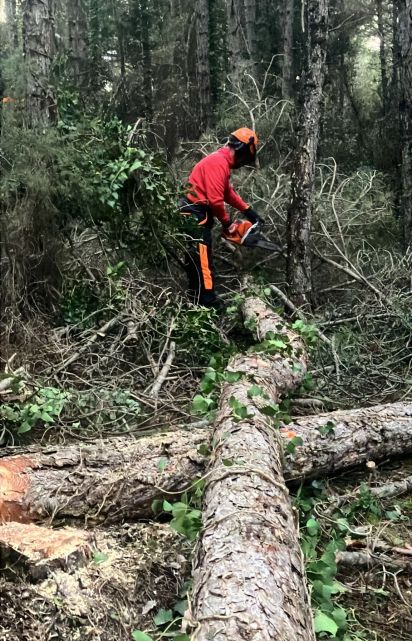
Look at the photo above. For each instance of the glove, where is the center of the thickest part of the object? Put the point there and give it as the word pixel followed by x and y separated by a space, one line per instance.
pixel 254 217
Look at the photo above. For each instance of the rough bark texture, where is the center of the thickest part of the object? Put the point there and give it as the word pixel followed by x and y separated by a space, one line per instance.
pixel 233 34
pixel 355 436
pixel 300 207
pixel 287 67
pixel 382 54
pixel 250 22
pixel 121 478
pixel 110 481
pixel 145 26
pixel 203 68
pixel 77 34
pixel 404 51
pixel 37 46
pixel 248 576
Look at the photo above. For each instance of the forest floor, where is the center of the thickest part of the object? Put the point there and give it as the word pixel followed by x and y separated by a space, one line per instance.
pixel 141 572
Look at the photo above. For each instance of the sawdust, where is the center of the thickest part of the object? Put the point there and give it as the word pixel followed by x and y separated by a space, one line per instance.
pixel 139 569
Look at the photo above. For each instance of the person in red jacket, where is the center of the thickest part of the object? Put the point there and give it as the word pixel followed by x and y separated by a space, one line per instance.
pixel 209 190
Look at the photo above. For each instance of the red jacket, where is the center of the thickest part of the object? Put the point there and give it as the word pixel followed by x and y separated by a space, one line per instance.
pixel 209 184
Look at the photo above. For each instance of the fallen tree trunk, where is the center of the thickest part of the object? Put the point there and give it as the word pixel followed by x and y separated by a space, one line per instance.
pixel 120 478
pixel 108 481
pixel 339 440
pixel 248 570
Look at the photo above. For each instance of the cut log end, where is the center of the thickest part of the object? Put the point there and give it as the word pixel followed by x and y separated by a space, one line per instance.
pixel 14 483
pixel 39 550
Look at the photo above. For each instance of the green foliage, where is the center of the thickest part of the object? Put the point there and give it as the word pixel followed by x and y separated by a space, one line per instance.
pixel 239 410
pixel 273 344
pixel 44 406
pixel 308 332
pixel 186 520
pixel 198 337
pixel 328 429
pixel 293 444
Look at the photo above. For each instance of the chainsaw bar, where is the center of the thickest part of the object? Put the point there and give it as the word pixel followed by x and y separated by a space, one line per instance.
pixel 262 243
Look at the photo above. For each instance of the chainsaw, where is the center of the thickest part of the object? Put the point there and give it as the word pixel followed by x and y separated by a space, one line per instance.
pixel 243 232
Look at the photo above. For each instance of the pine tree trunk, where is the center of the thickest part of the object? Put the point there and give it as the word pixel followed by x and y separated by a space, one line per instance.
pixel 382 55
pixel 405 111
pixel 300 208
pixel 250 20
pixel 248 567
pixel 77 34
pixel 203 67
pixel 120 478
pixel 287 67
pixel 145 26
pixel 11 20
pixel 233 35
pixel 37 45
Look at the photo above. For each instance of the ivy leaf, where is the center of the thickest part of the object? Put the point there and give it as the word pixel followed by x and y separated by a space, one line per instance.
pixel 168 507
pixel 312 527
pixel 201 404
pixel 138 635
pixel 203 449
pixel 255 390
pixel 323 623
pixel 163 616
pixel 270 410
pixel 162 463
pixel 24 427
pixel 232 377
pixel 99 557
pixel 181 607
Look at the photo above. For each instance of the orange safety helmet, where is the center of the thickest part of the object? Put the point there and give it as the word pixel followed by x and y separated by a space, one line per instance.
pixel 245 143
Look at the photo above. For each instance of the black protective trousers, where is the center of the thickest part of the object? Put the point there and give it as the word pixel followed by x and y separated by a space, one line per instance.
pixel 199 266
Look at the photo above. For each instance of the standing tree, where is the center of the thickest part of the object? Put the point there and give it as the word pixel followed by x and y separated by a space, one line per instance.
pixel 77 41
pixel 37 47
pixel 303 174
pixel 404 51
pixel 203 68
pixel 233 12
pixel 250 7
pixel 382 53
pixel 287 67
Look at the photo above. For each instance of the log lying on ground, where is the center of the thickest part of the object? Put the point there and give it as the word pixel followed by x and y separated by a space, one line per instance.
pixel 109 481
pixel 339 440
pixel 248 579
pixel 120 478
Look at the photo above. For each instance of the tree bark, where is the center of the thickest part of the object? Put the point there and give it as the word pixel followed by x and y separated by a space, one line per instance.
pixel 145 26
pixel 107 481
pixel 250 21
pixel 37 46
pixel 404 51
pixel 120 478
pixel 248 568
pixel 287 67
pixel 77 34
pixel 350 438
pixel 382 55
pixel 203 67
pixel 233 34
pixel 303 175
